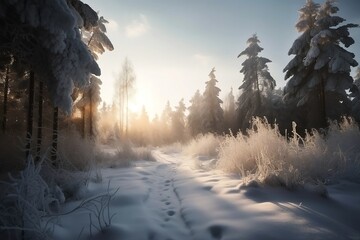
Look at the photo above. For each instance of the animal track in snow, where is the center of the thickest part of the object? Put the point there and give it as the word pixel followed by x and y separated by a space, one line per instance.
pixel 171 213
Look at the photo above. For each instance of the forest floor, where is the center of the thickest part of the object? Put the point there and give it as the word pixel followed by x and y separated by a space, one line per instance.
pixel 175 199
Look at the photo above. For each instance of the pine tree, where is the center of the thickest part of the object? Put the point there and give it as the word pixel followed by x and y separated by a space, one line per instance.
pixel 5 100
pixel 296 70
pixel 178 122
pixel 230 112
pixel 257 83
pixel 355 95
pixel 357 78
pixel 95 38
pixel 40 120
pixel 166 123
pixel 330 62
pixel 212 115
pixel 141 128
pixel 320 71
pixel 194 117
pixel 30 114
pixel 42 40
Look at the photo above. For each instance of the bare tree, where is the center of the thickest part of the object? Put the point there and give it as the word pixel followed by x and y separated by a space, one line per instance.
pixel 125 89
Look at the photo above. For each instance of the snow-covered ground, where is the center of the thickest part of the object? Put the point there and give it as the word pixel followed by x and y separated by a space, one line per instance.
pixel 171 199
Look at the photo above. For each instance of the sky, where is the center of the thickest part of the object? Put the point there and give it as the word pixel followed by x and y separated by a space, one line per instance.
pixel 174 44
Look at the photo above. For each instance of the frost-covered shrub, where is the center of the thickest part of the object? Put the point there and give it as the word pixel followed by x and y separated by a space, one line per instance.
pixel 203 145
pixel 29 199
pixel 172 148
pixel 266 155
pixel 344 140
pixel 144 153
pixel 11 154
pixel 125 154
pixel 74 152
pixel 72 183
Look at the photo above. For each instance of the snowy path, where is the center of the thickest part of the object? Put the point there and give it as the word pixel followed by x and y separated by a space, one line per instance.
pixel 171 200
pixel 163 193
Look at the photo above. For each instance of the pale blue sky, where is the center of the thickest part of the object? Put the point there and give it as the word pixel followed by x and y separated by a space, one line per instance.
pixel 173 44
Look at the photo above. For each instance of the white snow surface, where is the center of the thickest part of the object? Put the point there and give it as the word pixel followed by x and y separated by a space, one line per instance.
pixel 174 199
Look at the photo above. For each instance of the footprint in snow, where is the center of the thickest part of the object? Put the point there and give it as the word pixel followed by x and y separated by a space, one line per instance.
pixel 171 213
pixel 208 188
pixel 216 231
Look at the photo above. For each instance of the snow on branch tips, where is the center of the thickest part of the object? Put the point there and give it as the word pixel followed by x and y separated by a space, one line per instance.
pixel 50 43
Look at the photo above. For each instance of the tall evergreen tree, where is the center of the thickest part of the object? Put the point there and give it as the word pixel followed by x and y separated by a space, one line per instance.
pixel 257 83
pixel 5 100
pixel 94 36
pixel 296 70
pixel 40 39
pixel 320 71
pixel 357 78
pixel 30 114
pixel 140 128
pixel 212 114
pixel 40 120
pixel 178 121
pixel 230 112
pixel 166 122
pixel 330 62
pixel 194 116
pixel 296 91
pixel 355 95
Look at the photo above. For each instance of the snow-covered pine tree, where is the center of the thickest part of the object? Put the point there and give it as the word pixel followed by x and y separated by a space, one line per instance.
pixel 194 117
pixel 357 78
pixel 296 70
pixel 355 95
pixel 178 122
pixel 331 62
pixel 47 34
pixel 94 36
pixel 139 131
pixel 166 123
pixel 212 115
pixel 230 112
pixel 321 68
pixel 257 83
pixel 88 105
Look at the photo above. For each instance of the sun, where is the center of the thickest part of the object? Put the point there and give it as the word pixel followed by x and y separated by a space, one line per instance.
pixel 137 102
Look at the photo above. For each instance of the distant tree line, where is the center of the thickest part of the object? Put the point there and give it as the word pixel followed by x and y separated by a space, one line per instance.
pixel 319 86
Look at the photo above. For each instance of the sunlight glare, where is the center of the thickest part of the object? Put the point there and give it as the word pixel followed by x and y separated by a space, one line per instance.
pixel 137 102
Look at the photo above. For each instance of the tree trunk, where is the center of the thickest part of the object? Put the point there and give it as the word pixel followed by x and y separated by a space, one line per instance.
pixel 121 108
pixel 258 96
pixel 91 114
pixel 6 90
pixel 30 114
pixel 127 107
pixel 83 121
pixel 55 137
pixel 40 121
pixel 323 104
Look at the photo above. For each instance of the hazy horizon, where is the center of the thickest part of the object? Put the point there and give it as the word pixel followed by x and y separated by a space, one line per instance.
pixel 173 46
